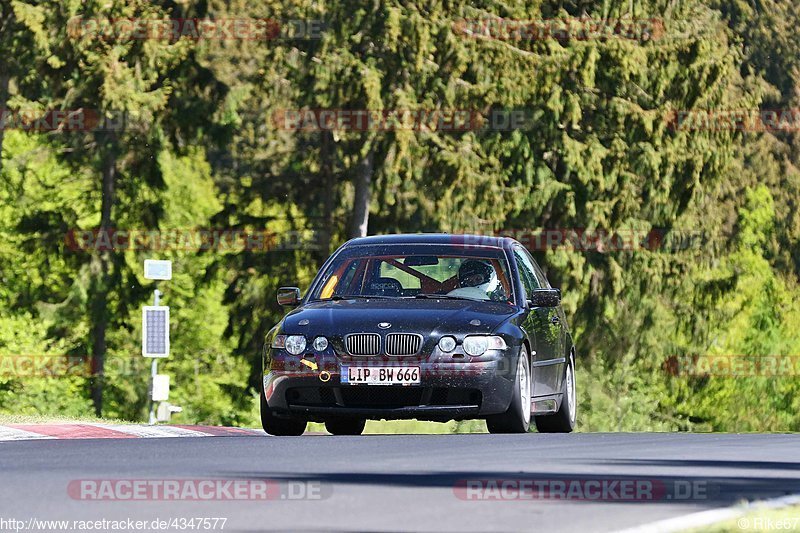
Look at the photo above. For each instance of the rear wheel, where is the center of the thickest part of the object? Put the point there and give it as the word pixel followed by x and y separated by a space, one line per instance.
pixel 518 417
pixel 346 426
pixel 564 420
pixel 280 427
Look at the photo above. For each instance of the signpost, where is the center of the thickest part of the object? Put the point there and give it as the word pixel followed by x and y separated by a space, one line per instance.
pixel 155 333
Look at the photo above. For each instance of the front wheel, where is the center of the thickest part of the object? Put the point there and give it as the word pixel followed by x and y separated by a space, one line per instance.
pixel 280 427
pixel 563 421
pixel 346 426
pixel 518 417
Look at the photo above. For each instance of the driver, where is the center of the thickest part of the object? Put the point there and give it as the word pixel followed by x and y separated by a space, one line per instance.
pixel 476 279
pixel 474 273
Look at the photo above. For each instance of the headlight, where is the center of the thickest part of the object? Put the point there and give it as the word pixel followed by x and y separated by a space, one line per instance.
pixel 478 344
pixel 447 344
pixel 295 344
pixel 320 343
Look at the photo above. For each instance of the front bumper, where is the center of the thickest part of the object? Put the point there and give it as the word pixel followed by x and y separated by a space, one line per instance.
pixel 453 391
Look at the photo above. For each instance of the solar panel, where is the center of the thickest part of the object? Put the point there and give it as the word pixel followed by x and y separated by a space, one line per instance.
pixel 155 331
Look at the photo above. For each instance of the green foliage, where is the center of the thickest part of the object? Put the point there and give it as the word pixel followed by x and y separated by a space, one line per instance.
pixel 24 391
pixel 202 149
pixel 759 317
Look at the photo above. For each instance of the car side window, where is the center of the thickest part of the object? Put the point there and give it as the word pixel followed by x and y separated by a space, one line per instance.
pixel 347 278
pixel 525 272
pixel 541 279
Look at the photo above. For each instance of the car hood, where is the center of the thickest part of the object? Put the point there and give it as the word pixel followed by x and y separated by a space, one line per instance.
pixel 425 316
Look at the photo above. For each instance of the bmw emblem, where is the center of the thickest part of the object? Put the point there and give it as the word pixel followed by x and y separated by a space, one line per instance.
pixel 384 325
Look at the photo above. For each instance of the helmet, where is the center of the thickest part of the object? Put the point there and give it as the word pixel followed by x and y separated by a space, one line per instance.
pixel 479 274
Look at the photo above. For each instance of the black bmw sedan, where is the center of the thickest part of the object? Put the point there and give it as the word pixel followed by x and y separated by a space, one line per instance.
pixel 430 327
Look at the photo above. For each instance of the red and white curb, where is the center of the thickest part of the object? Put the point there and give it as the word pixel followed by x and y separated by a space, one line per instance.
pixel 15 432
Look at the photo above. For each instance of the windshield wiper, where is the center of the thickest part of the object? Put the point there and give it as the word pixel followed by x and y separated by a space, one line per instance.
pixel 444 297
pixel 338 297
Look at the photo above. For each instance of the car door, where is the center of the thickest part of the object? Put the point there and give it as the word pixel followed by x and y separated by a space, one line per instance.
pixel 548 362
pixel 563 327
pixel 529 321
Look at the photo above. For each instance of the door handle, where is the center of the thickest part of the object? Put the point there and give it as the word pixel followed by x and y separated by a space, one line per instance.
pixel 555 320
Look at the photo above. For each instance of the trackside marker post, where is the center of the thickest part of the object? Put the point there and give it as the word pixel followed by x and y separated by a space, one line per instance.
pixel 155 334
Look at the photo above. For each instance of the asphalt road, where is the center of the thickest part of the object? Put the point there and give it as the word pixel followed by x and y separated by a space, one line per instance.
pixel 402 482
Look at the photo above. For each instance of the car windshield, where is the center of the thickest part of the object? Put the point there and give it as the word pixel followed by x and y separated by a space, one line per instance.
pixel 416 272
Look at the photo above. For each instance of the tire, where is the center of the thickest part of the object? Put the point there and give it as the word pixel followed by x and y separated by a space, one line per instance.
pixel 346 426
pixel 563 421
pixel 280 427
pixel 517 419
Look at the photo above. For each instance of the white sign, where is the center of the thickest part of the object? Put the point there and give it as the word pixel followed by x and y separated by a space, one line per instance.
pixel 155 331
pixel 160 388
pixel 156 269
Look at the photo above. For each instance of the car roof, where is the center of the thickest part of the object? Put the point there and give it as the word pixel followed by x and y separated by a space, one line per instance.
pixel 433 238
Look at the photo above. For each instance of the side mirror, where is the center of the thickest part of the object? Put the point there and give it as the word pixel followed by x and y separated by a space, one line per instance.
pixel 545 298
pixel 289 296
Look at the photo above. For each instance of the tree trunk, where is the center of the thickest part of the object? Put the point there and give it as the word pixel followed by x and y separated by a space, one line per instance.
pixel 101 281
pixel 4 81
pixel 363 185
pixel 6 22
pixel 327 151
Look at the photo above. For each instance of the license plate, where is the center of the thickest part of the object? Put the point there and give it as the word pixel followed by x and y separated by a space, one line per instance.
pixel 388 375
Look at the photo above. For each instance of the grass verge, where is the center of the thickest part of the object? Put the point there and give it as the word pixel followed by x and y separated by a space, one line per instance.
pixel 374 427
pixel 786 519
pixel 6 418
